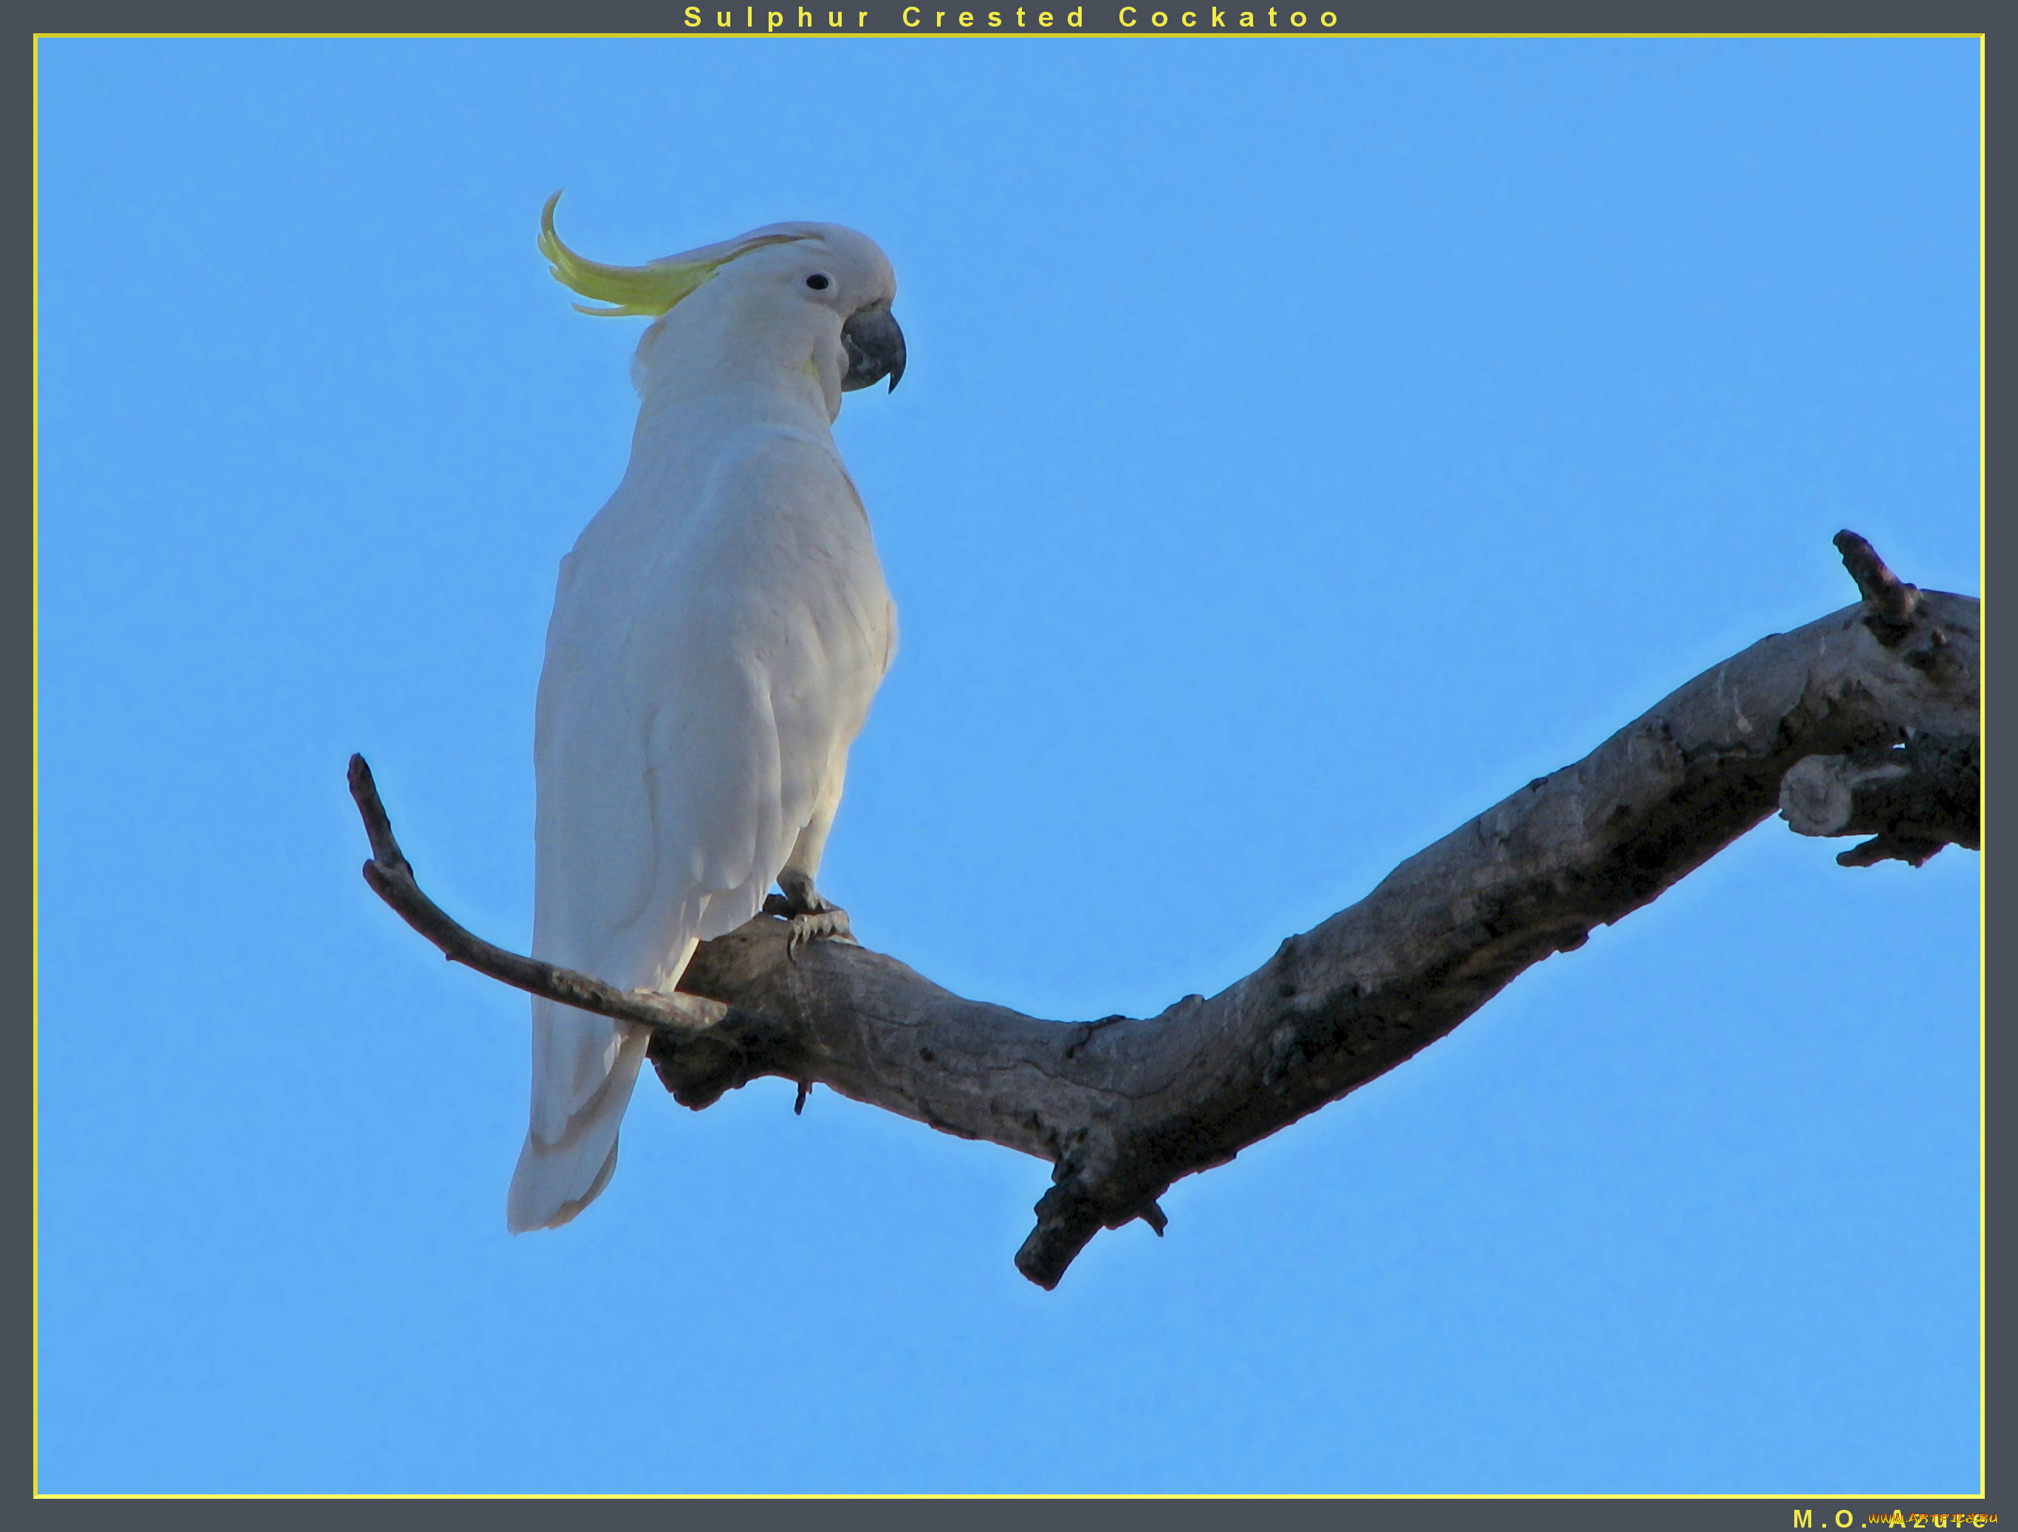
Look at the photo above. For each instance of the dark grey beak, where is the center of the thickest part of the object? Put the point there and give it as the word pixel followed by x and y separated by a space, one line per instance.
pixel 875 348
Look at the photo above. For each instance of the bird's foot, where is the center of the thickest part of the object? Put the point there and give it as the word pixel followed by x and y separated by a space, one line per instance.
pixel 808 916
pixel 828 925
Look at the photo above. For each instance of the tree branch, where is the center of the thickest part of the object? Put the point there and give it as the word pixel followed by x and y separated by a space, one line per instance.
pixel 391 878
pixel 1915 798
pixel 1889 603
pixel 1122 1107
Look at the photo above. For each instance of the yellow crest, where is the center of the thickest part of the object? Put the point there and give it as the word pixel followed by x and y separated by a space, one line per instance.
pixel 645 290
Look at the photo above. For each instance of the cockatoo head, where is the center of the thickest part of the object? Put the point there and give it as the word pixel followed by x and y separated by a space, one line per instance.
pixel 812 298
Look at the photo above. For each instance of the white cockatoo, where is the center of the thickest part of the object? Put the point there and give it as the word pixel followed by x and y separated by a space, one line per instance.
pixel 718 632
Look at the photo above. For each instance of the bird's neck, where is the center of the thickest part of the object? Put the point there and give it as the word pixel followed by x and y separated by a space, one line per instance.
pixel 700 359
pixel 690 407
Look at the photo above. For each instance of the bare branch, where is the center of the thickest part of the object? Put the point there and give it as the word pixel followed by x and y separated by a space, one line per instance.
pixel 1892 602
pixel 1122 1107
pixel 391 878
pixel 1915 798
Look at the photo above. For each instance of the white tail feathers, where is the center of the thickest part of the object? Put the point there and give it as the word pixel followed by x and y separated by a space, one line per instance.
pixel 556 1178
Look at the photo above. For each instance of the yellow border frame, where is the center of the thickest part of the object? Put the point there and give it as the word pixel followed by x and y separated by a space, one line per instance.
pixel 35 737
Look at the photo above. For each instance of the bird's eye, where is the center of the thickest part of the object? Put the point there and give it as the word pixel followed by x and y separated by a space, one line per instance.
pixel 818 282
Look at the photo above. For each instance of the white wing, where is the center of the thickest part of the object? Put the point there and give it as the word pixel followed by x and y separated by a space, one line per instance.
pixel 717 635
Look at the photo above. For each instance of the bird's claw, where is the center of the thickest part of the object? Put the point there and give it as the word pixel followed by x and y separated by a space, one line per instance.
pixel 808 918
pixel 828 925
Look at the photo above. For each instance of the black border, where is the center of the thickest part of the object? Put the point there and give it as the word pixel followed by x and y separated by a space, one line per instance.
pixel 1387 16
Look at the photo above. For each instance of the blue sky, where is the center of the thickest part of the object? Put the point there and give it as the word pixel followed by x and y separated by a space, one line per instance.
pixel 1304 445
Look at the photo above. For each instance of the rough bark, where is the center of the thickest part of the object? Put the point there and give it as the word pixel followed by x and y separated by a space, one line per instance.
pixel 1914 798
pixel 1123 1106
